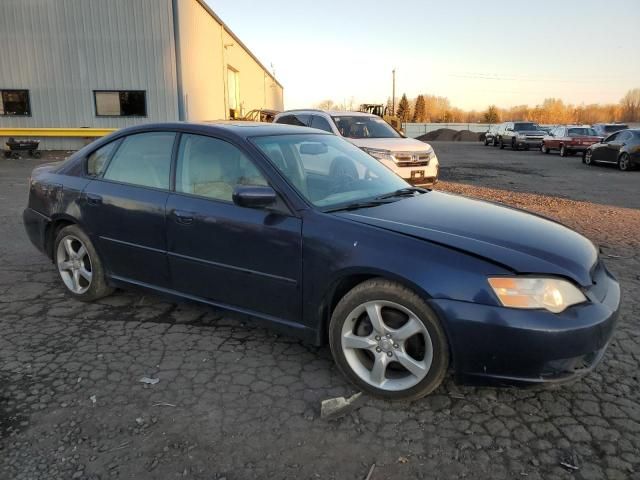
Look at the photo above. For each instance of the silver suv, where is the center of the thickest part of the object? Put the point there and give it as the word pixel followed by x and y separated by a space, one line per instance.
pixel 411 159
pixel 520 134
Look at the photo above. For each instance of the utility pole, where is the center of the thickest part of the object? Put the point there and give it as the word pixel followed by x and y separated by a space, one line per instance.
pixel 393 94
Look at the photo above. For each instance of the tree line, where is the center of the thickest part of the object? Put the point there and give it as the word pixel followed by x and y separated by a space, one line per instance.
pixel 431 108
pixel 435 109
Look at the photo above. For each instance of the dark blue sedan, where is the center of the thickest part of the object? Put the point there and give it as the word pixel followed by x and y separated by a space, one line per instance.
pixel 307 233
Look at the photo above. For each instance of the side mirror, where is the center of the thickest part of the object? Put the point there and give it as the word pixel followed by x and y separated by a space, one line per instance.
pixel 253 196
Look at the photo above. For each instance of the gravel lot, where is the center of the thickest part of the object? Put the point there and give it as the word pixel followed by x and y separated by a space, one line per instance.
pixel 239 402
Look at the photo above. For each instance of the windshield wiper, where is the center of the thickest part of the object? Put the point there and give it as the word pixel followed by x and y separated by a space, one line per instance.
pixel 403 192
pixel 358 205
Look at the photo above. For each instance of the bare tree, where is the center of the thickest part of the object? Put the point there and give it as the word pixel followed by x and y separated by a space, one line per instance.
pixel 630 104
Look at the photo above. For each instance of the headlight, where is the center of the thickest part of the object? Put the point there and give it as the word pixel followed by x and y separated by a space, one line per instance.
pixel 379 154
pixel 552 294
pixel 521 135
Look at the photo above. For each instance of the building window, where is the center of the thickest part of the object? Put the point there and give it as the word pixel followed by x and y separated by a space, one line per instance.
pixel 124 103
pixel 15 102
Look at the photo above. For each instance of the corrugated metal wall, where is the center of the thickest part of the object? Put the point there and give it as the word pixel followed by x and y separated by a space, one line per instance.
pixel 62 50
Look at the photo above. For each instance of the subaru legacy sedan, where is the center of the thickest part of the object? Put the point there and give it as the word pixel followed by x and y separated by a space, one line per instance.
pixel 306 233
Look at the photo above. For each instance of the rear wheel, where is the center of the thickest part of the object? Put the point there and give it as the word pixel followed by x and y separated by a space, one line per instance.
pixel 79 266
pixel 486 141
pixel 563 151
pixel 624 163
pixel 388 342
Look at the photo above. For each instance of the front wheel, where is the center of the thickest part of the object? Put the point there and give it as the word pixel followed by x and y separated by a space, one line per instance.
pixel 501 144
pixel 624 162
pixel 79 266
pixel 544 148
pixel 388 342
pixel 588 158
pixel 514 145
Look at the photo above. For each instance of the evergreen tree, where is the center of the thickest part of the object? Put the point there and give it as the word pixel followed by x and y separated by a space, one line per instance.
pixel 404 109
pixel 420 110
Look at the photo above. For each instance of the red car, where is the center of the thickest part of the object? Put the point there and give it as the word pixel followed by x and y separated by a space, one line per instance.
pixel 569 140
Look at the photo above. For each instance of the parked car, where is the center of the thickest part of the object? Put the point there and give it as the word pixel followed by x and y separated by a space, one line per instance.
pixel 520 134
pixel 305 232
pixel 260 115
pixel 606 129
pixel 620 148
pixel 411 159
pixel 490 135
pixel 569 139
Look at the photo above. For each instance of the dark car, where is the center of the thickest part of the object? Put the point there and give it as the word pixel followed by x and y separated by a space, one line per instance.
pixel 305 232
pixel 520 135
pixel 621 149
pixel 569 139
pixel 490 137
pixel 606 129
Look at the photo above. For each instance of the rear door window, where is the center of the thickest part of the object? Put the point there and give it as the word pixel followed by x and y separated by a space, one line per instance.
pixel 321 123
pixel 143 159
pixel 297 119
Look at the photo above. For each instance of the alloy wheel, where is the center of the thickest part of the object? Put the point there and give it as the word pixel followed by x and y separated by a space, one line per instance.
pixel 587 157
pixel 386 345
pixel 623 162
pixel 74 264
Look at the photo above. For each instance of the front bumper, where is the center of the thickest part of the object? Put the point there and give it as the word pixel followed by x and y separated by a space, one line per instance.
pixel 529 142
pixel 36 225
pixel 493 345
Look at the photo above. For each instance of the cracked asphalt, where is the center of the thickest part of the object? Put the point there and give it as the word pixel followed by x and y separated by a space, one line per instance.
pixel 235 401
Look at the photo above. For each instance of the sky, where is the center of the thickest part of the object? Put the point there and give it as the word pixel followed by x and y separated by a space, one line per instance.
pixel 581 51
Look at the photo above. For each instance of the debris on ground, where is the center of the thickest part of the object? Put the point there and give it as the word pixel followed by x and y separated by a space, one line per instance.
pixel 336 407
pixel 403 459
pixel 149 381
pixel 569 466
pixel 370 471
pixel 93 399
pixel 163 404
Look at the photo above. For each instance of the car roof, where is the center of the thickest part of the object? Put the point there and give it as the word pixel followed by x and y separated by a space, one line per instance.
pixel 242 129
pixel 338 113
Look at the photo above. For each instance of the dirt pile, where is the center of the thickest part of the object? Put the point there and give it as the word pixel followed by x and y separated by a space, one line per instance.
pixel 450 135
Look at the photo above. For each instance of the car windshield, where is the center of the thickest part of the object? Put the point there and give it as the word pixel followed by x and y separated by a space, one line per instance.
pixel 523 127
pixel 576 132
pixel 327 170
pixel 362 126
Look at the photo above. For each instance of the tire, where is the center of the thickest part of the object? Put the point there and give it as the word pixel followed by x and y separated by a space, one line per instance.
pixel 544 149
pixel 79 266
pixel 514 145
pixel 495 142
pixel 623 162
pixel 377 351
pixel 563 151
pixel 36 154
pixel 501 144
pixel 587 159
pixel 486 142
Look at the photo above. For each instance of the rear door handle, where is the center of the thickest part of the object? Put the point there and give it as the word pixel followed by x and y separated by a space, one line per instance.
pixel 184 218
pixel 93 199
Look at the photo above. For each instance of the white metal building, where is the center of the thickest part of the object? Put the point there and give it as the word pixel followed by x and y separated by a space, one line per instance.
pixel 116 63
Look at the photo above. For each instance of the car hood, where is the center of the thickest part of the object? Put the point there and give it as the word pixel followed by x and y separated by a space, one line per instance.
pixel 391 144
pixel 520 241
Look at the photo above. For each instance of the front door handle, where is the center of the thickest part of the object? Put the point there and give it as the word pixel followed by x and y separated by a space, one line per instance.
pixel 93 199
pixel 183 218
